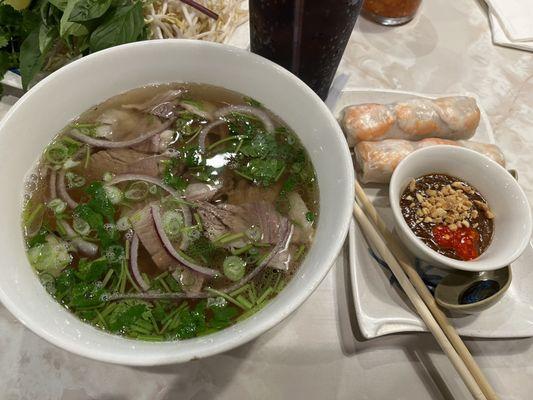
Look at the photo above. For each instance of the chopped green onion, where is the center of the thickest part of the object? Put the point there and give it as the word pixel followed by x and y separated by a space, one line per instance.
pixel 137 191
pixel 81 226
pixel 172 224
pixel 114 194
pixel 108 176
pixel 234 268
pixel 299 253
pixel 241 299
pixel 57 153
pixel 240 290
pixel 33 215
pixel 74 180
pixel 108 309
pixel 57 206
pixel 254 233
pixel 101 319
pixel 161 276
pixel 228 298
pixel 107 277
pixel 164 284
pixel 123 224
pixel 242 250
pixel 265 295
pixel 152 189
pixel 231 238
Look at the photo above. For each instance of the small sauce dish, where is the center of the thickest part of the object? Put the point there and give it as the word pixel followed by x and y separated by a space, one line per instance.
pixel 472 292
pixel 506 199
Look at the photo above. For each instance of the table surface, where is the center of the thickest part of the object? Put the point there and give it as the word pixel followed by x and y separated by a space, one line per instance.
pixel 317 352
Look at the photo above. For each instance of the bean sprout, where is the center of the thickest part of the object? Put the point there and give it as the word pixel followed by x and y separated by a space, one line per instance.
pixel 170 19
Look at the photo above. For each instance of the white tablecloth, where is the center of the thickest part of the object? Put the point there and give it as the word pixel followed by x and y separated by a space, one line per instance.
pixel 316 354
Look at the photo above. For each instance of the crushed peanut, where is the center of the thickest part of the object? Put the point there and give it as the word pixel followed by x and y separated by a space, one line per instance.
pixel 412 185
pixel 449 206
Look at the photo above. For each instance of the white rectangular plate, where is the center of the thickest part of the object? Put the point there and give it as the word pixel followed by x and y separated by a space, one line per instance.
pixel 382 308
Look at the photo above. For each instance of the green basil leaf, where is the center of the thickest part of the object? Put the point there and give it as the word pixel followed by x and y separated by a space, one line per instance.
pixel 85 10
pixel 31 58
pixel 61 4
pixel 46 37
pixel 4 39
pixel 66 27
pixel 124 26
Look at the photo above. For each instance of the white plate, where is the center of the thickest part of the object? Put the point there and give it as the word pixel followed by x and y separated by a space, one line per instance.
pixel 382 308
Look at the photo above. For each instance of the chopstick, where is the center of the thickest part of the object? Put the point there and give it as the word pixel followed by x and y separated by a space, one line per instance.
pixel 421 298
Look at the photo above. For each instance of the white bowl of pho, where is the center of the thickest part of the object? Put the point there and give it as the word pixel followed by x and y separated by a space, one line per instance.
pixel 168 200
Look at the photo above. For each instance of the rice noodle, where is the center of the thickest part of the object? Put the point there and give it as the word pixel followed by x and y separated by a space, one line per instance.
pixel 62 189
pixel 134 252
pixel 108 144
pixel 171 19
pixel 261 115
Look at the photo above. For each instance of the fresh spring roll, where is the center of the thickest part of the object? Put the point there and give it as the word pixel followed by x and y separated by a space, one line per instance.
pixel 454 118
pixel 376 161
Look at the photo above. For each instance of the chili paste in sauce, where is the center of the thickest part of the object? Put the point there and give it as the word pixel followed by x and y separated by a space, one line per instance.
pixel 448 215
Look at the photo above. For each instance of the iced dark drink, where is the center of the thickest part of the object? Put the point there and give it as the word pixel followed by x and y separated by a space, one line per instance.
pixel 308 37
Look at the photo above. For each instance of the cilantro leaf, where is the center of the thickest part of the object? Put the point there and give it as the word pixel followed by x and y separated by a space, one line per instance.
pixel 222 316
pixel 86 294
pixel 191 322
pixel 90 216
pixel 263 172
pixel 99 201
pixel 90 271
pixel 125 315
pixel 171 177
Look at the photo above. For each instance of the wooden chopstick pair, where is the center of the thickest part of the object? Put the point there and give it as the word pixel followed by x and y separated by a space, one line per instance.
pixel 438 324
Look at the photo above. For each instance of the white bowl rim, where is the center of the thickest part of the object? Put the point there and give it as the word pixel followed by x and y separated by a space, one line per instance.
pixel 252 331
pixel 394 190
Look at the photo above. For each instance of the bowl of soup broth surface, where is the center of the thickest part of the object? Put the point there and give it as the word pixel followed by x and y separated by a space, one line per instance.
pixel 167 201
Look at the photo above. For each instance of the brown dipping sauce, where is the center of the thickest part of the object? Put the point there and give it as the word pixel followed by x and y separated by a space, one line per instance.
pixel 448 215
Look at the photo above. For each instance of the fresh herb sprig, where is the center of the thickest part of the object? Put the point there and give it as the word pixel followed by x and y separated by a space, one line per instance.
pixel 45 34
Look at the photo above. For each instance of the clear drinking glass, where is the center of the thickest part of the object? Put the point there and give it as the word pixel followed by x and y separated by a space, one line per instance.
pixel 390 12
pixel 307 37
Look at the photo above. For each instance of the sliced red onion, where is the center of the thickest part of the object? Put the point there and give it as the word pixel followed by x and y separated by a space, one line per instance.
pixel 172 251
pixel 85 247
pixel 205 131
pixel 187 216
pixel 52 182
pixel 134 251
pixel 108 144
pixel 259 114
pixel 62 189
